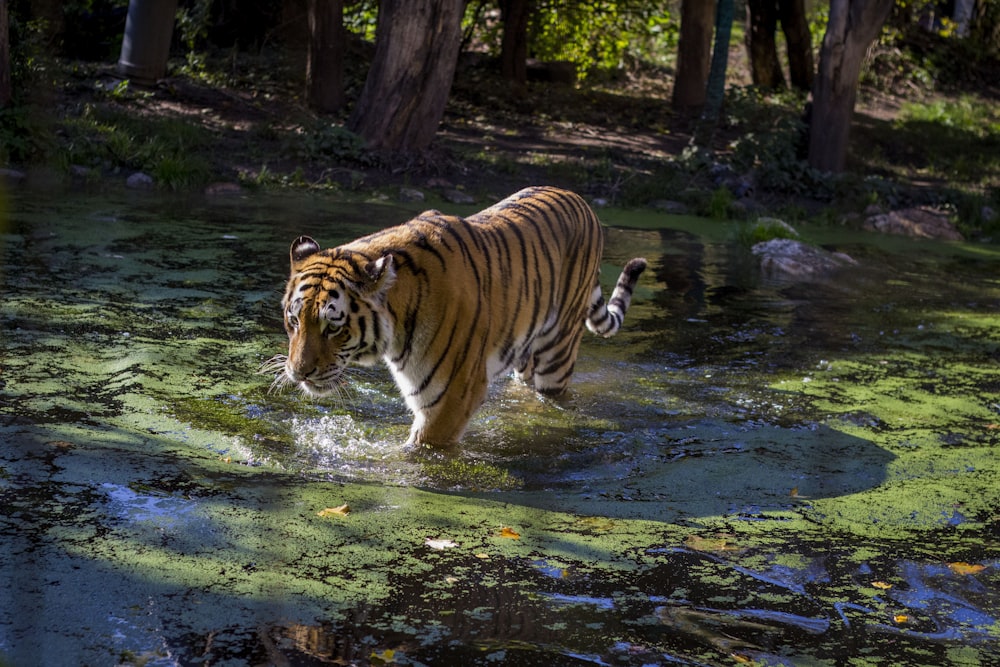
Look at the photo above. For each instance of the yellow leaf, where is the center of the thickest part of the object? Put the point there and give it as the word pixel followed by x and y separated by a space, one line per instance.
pixel 742 659
pixel 901 618
pixel 966 568
pixel 510 533
pixel 385 656
pixel 881 584
pixel 794 493
pixel 343 510
pixel 483 556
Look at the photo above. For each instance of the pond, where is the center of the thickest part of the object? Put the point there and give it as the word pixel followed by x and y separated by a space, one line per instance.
pixel 753 471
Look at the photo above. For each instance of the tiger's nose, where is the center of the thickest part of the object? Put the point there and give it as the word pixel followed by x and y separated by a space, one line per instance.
pixel 298 373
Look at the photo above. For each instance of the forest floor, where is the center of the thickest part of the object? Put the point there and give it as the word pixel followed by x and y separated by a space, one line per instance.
pixel 244 124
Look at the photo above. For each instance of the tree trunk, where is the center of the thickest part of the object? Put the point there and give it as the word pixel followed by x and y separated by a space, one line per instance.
pixel 6 92
pixel 762 22
pixel 716 88
pixel 693 55
pixel 325 60
pixel 416 50
pixel 794 24
pixel 514 47
pixel 853 25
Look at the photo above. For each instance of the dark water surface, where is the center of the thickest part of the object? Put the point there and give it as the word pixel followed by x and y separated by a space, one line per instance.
pixel 754 471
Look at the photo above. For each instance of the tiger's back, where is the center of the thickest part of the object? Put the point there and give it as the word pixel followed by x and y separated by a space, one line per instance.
pixel 455 302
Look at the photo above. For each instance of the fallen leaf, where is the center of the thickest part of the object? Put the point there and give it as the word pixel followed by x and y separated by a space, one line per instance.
pixel 901 618
pixel 440 544
pixel 483 556
pixel 742 659
pixel 717 543
pixel 510 533
pixel 343 510
pixel 966 568
pixel 881 584
pixel 385 656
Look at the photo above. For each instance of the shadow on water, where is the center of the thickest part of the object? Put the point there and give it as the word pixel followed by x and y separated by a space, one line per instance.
pixel 754 470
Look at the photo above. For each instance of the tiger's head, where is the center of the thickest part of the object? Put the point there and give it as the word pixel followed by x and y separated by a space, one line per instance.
pixel 334 313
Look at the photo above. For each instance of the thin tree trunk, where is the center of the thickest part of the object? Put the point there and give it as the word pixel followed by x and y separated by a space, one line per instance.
pixel 794 24
pixel 693 55
pixel 765 67
pixel 416 50
pixel 325 60
pixel 853 25
pixel 720 59
pixel 6 91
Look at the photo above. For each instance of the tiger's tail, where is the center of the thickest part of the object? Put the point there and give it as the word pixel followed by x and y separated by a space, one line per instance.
pixel 604 319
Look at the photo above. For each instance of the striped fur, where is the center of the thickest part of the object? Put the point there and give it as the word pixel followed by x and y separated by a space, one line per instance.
pixel 451 303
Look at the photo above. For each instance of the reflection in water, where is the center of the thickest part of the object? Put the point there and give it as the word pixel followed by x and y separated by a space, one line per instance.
pixel 751 471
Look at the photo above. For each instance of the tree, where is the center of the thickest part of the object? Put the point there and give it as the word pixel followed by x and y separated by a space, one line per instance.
pixel 325 60
pixel 514 45
pixel 716 87
pixel 762 22
pixel 693 55
pixel 416 51
pixel 853 25
pixel 795 26
pixel 6 91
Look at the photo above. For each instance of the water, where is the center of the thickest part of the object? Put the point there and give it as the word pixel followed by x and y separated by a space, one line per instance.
pixel 752 470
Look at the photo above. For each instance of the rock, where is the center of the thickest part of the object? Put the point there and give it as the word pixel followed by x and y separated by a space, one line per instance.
pixel 794 259
pixel 599 202
pixel 410 195
pixel 918 222
pixel 12 176
pixel 79 171
pixel 458 197
pixel 669 206
pixel 139 181
pixel 223 189
pixel 988 214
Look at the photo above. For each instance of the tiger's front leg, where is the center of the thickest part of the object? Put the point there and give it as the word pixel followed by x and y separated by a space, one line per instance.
pixel 443 423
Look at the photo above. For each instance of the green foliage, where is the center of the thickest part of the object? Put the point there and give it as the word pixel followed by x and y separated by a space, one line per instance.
pixel 329 142
pixel 719 203
pixel 192 23
pixel 594 36
pixel 765 229
pixel 110 139
pixel 23 135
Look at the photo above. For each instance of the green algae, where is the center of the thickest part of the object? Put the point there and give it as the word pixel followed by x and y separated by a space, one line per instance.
pixel 740 472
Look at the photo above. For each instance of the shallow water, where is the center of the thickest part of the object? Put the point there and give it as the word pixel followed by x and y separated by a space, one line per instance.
pixel 752 470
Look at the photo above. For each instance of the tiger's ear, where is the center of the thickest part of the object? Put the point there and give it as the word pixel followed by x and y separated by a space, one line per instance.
pixel 382 273
pixel 302 247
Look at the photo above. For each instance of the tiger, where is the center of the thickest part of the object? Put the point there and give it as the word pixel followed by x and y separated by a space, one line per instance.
pixel 450 304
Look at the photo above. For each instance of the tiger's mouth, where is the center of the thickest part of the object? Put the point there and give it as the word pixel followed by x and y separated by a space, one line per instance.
pixel 317 389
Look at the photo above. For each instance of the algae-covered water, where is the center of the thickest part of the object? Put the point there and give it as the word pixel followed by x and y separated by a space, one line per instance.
pixel 754 471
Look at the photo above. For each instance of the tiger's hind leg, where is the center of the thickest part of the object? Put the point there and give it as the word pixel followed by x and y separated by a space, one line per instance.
pixel 553 361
